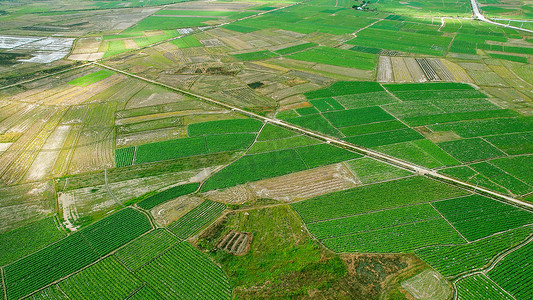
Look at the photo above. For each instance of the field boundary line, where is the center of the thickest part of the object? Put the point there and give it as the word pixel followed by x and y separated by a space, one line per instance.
pixel 62 292
pixel 492 264
pixel 447 221
pixel 495 283
pixel 343 144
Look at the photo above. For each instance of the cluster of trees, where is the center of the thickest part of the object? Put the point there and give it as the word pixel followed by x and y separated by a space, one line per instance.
pixel 363 5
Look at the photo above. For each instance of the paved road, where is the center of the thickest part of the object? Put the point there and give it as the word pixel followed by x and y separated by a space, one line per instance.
pixel 481 17
pixel 374 154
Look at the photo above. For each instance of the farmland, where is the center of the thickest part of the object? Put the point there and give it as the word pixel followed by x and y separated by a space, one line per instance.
pixel 165 149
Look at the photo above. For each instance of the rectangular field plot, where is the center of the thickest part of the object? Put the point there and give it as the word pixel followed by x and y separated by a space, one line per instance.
pixel 373 197
pixel 514 143
pixel 369 170
pixel 372 128
pixel 28 239
pixel 145 248
pixel 401 238
pixel 477 128
pixel 107 279
pixel 229 142
pixel 502 178
pixel 170 149
pixel 186 42
pixel 91 78
pixel 315 123
pixel 478 217
pixel 195 219
pixel 185 273
pixel 402 41
pixel 337 57
pixel 372 221
pixel 365 99
pixel 256 167
pixel 326 104
pixel 224 126
pixel 520 167
pixel 324 154
pixel 116 230
pixel 47 265
pixel 514 274
pixel 272 132
pixel 279 144
pixel 124 156
pixel 479 287
pixel 473 149
pixel 453 260
pixel 358 116
pixel 385 138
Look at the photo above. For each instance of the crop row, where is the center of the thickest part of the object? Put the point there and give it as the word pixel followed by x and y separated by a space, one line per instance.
pixel 372 221
pixel 143 249
pixel 73 252
pixel 479 287
pixel 373 197
pixel 406 237
pixel 477 217
pixel 452 260
pixel 195 219
pixel 514 274
pixel 185 273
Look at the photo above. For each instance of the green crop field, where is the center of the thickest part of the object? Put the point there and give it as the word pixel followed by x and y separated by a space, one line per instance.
pixel 372 127
pixel 116 230
pixel 168 194
pixel 453 260
pixel 369 170
pixel 479 287
pixel 280 149
pixel 280 144
pixel 296 48
pixel 195 219
pixel 316 123
pixel 186 42
pixel 478 217
pixel 473 149
pixel 91 78
pixel 337 57
pixel 256 167
pixel 229 142
pixel 272 132
pixel 107 279
pixel 358 116
pixel 47 265
pixel 145 248
pixel 385 138
pixel 374 197
pixel 224 126
pixel 186 273
pixel 512 273
pixel 28 239
pixel 403 238
pixel 124 156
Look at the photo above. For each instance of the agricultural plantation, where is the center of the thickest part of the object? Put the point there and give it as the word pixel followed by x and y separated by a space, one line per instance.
pixel 166 149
